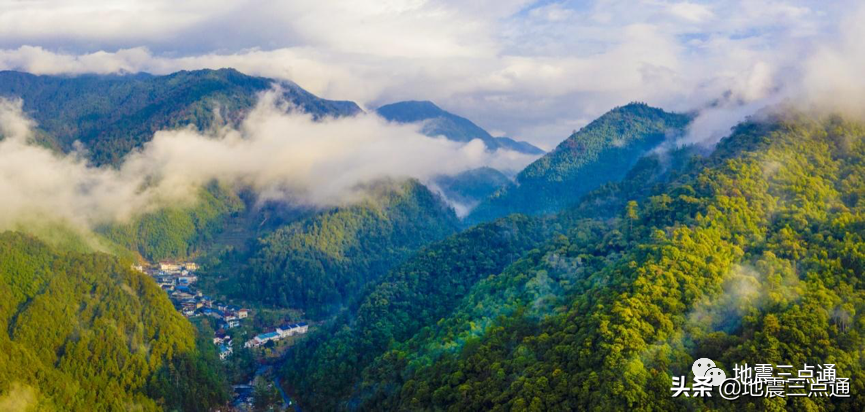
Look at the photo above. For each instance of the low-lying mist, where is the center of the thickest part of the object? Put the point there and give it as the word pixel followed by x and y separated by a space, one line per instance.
pixel 280 153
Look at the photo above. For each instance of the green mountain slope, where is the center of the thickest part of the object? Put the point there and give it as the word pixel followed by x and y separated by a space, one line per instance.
pixel 111 115
pixel 320 262
pixel 756 257
pixel 177 232
pixel 82 332
pixel 438 122
pixel 754 254
pixel 324 368
pixel 410 304
pixel 114 114
pixel 601 152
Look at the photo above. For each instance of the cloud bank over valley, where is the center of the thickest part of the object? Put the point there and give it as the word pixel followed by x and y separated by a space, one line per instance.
pixel 279 152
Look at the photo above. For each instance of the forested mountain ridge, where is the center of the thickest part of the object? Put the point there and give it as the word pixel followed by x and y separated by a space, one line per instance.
pixel 321 262
pixel 438 122
pixel 606 269
pixel 753 254
pixel 114 114
pixel 83 332
pixel 325 367
pixel 404 310
pixel 177 232
pixel 756 255
pixel 603 151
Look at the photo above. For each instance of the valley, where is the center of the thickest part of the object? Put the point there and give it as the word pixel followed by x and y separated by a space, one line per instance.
pixel 290 206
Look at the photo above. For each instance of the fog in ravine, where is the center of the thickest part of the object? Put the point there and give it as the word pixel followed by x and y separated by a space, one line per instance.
pixel 278 152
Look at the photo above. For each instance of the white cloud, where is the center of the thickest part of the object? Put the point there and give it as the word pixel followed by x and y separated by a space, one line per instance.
pixel 554 12
pixel 832 76
pixel 112 22
pixel 691 11
pixel 281 154
pixel 527 69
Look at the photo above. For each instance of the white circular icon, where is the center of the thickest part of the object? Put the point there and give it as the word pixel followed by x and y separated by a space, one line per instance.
pixel 716 376
pixel 701 366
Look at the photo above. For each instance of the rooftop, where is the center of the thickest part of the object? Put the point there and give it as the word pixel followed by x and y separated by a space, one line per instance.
pixel 268 335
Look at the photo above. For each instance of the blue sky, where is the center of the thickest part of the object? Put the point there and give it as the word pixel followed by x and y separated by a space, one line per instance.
pixel 529 70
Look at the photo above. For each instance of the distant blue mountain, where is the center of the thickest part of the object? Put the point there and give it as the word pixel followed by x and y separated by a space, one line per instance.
pixel 438 122
pixel 465 190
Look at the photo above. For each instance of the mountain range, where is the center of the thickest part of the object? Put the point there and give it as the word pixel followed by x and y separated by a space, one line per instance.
pixel 438 122
pixel 587 283
pixel 114 114
pixel 600 152
pixel 753 252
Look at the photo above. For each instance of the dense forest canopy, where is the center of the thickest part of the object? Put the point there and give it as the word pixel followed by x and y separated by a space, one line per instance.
pixel 321 262
pixel 83 332
pixel 600 152
pixel 180 231
pixel 753 254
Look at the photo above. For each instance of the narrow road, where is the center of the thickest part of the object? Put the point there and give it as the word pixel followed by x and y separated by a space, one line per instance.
pixel 286 401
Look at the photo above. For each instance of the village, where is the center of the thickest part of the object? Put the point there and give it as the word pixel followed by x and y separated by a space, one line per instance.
pixel 178 280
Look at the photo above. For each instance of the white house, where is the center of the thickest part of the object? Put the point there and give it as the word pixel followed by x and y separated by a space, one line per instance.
pixel 220 339
pixel 292 329
pixel 169 267
pixel 261 339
